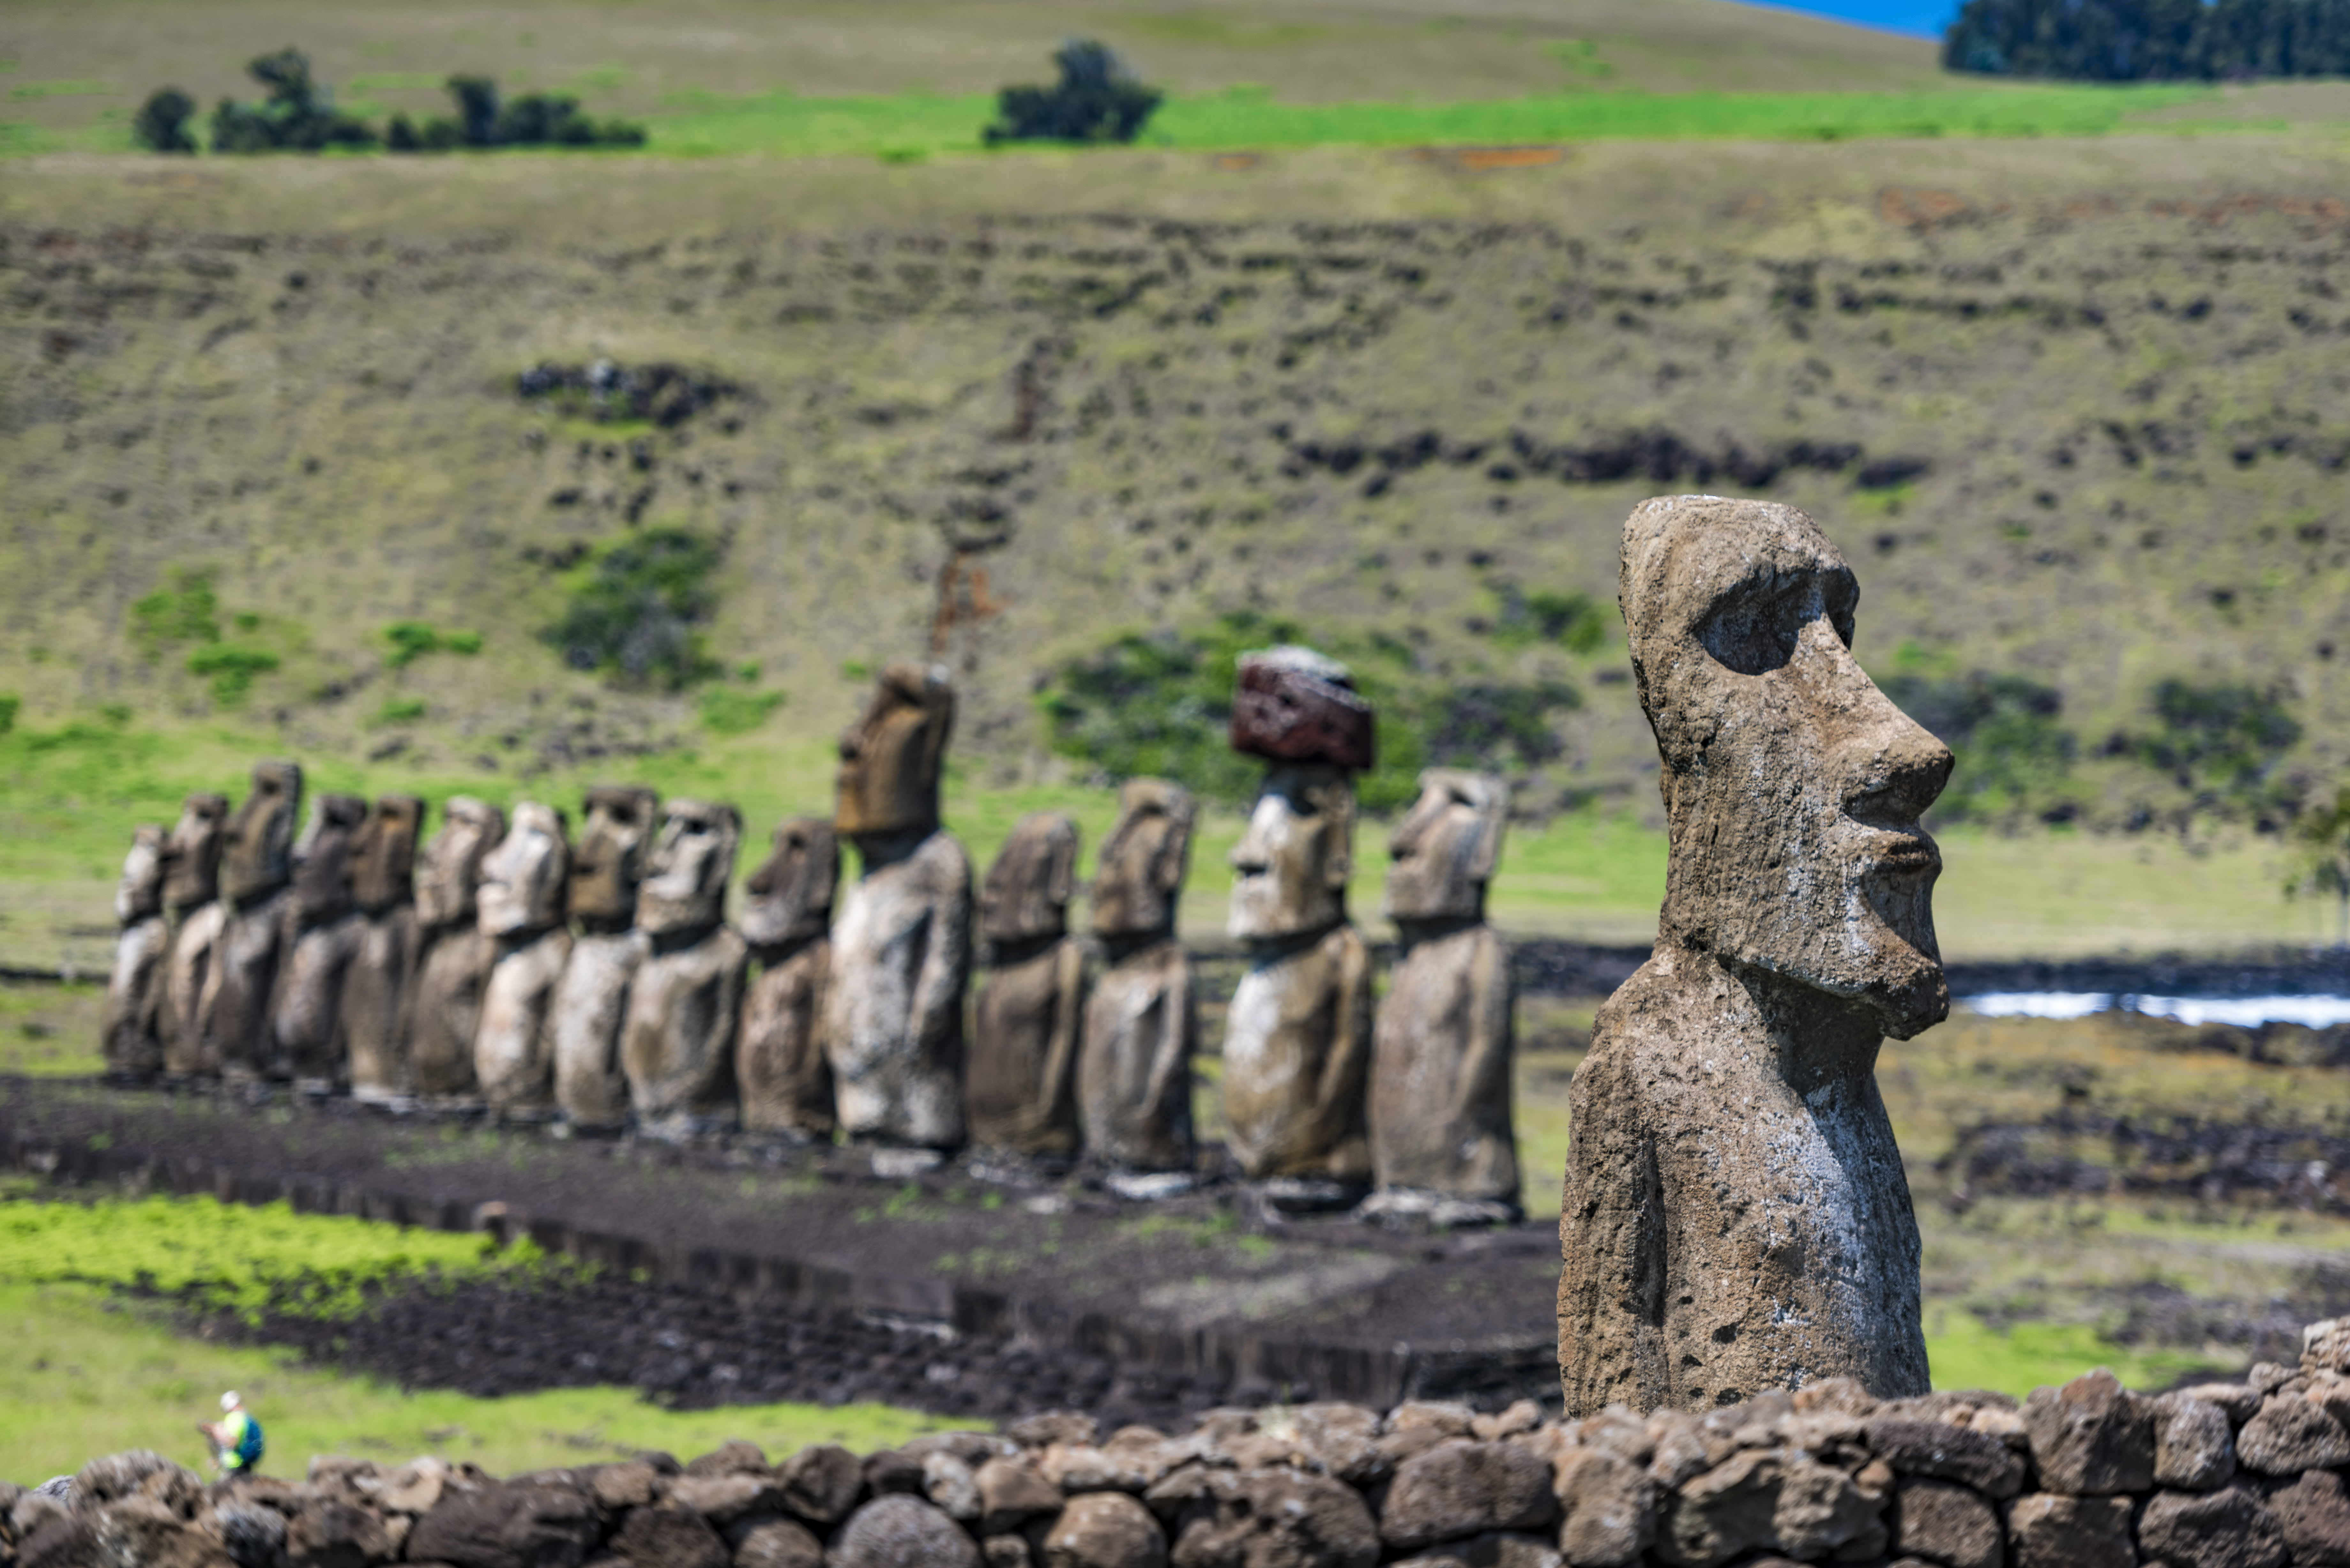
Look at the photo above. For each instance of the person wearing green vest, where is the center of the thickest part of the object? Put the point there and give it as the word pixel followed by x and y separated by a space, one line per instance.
pixel 235 1437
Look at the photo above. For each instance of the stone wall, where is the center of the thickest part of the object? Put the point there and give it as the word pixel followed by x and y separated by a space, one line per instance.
pixel 2086 1476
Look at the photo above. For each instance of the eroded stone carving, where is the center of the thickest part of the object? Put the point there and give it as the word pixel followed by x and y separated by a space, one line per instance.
pixel 591 1001
pixel 1020 1088
pixel 1134 1068
pixel 442 1012
pixel 678 1044
pixel 1735 1216
pixel 1439 1097
pixel 1298 1038
pixel 130 1032
pixel 520 907
pixel 256 870
pixel 383 890
pixel 191 900
pixel 901 949
pixel 779 1062
pixel 323 937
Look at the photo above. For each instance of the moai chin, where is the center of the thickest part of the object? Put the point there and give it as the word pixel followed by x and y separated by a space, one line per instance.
pixel 384 890
pixel 441 1011
pixel 131 1034
pixel 779 1062
pixel 1134 1067
pixel 1441 1139
pixel 902 949
pixel 192 899
pixel 1735 1217
pixel 520 907
pixel 1019 1088
pixel 256 868
pixel 323 937
pixel 677 1045
pixel 591 1000
pixel 1298 1039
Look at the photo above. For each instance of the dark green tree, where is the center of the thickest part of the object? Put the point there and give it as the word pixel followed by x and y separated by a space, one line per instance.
pixel 298 116
pixel 163 122
pixel 1097 99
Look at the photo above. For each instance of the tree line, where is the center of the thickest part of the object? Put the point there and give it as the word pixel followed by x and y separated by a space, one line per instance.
pixel 2150 40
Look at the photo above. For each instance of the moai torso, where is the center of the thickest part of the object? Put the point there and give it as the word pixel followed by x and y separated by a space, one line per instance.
pixel 325 937
pixel 677 1045
pixel 1735 1216
pixel 901 948
pixel 779 1062
pixel 1019 1087
pixel 130 1032
pixel 1297 1041
pixel 191 902
pixel 1134 1065
pixel 256 869
pixel 442 1010
pixel 383 890
pixel 591 1002
pixel 1439 1100
pixel 520 907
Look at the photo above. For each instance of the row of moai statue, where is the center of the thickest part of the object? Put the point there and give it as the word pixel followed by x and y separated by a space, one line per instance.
pixel 597 982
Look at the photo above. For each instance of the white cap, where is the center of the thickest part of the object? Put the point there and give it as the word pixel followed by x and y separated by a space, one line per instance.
pixel 229 1401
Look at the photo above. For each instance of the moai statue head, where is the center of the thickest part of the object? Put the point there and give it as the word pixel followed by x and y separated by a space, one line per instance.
pixel 322 859
pixel 791 896
pixel 192 872
pixel 888 781
pixel 1140 877
pixel 139 895
pixel 609 859
pixel 449 882
pixel 684 888
pixel 1300 710
pixel 1792 786
pixel 523 879
pixel 1028 891
pixel 257 859
pixel 383 856
pixel 1446 847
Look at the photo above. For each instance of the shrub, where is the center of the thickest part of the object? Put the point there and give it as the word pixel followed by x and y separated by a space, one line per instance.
pixel 163 122
pixel 635 608
pixel 728 711
pixel 2013 756
pixel 534 120
pixel 1098 99
pixel 9 708
pixel 400 710
pixel 2221 741
pixel 232 668
pixel 298 116
pixel 186 610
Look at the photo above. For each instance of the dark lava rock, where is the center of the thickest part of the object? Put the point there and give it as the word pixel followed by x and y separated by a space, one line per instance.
pixel 900 1531
pixel 2091 1436
pixel 2227 1529
pixel 508 1526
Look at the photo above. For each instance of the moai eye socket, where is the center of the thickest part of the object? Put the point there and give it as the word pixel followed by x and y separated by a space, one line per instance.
pixel 1753 628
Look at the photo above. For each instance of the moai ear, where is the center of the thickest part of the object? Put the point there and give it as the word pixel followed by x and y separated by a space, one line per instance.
pixel 1174 858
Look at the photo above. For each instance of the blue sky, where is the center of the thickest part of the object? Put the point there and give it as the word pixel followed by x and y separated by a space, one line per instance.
pixel 1928 17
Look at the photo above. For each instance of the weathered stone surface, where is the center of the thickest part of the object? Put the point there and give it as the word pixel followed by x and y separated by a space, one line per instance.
pixel 616 832
pixel 787 1082
pixel 1049 1427
pixel 2092 1436
pixel 2194 1446
pixel 1439 1087
pixel 678 1044
pixel 2237 1400
pixel 2290 1435
pixel 779 1544
pixel 1461 1488
pixel 442 1009
pixel 520 907
pixel 1020 1086
pixel 821 1483
pixel 1105 1529
pixel 2049 1530
pixel 383 861
pixel 140 1532
pixel 324 938
pixel 1497 1550
pixel 584 1024
pixel 1294 705
pixel 257 844
pixel 337 1535
pixel 2314 1514
pixel 1736 1217
pixel 1275 1519
pixel 669 1538
pixel 893 1001
pixel 951 1486
pixel 129 1033
pixel 725 1498
pixel 1945 1452
pixel 1946 1524
pixel 1134 1067
pixel 902 1531
pixel 245 962
pixel 2325 1346
pixel 684 889
pixel 322 860
pixel 1773 1497
pixel 508 1526
pixel 1609 1503
pixel 190 888
pixel 2229 1529
pixel 193 852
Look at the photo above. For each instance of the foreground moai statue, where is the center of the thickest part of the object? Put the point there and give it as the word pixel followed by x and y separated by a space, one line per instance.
pixel 256 874
pixel 1735 1217
pixel 322 938
pixel 1441 1140
pixel 1297 1041
pixel 192 901
pixel 678 1043
pixel 129 1032
pixel 383 891
pixel 592 999
pixel 1134 1067
pixel 1020 1086
pixel 779 1062
pixel 442 1010
pixel 520 907
pixel 901 950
